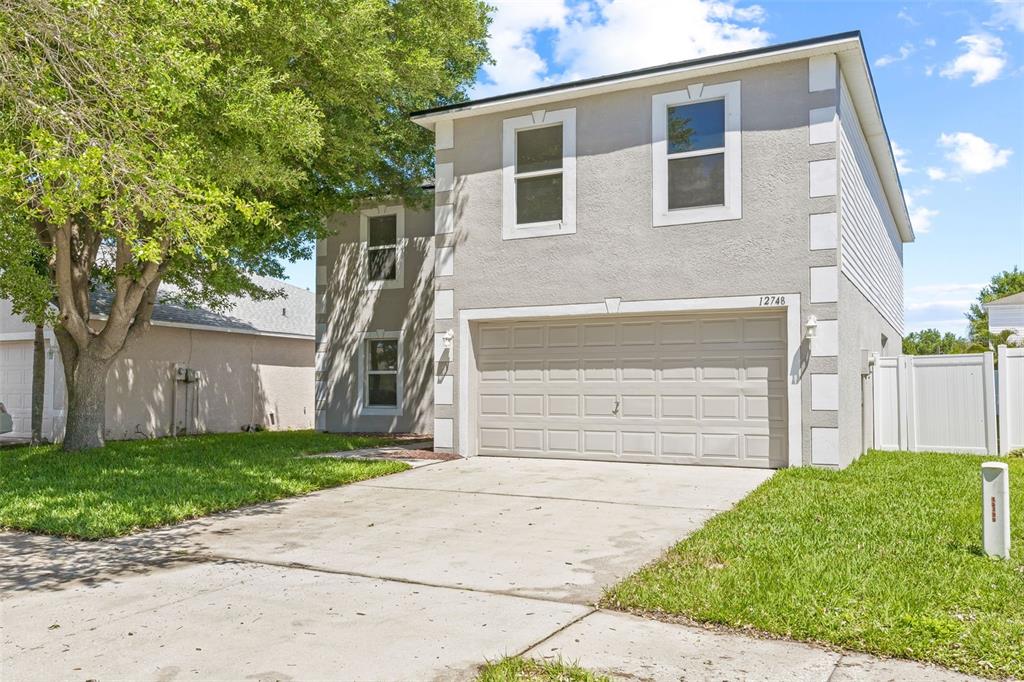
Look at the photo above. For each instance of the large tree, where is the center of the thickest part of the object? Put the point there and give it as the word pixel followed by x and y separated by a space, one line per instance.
pixel 198 142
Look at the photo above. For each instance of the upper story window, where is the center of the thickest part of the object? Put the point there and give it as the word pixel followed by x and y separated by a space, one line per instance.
pixel 695 137
pixel 382 235
pixel 539 174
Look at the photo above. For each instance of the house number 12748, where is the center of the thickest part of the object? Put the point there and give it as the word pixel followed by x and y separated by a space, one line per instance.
pixel 771 300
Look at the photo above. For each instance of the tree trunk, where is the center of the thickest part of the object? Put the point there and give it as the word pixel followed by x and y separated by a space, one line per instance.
pixel 87 402
pixel 38 384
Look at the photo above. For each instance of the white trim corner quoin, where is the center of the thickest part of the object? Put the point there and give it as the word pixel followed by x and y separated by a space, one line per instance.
pixel 510 229
pixel 732 209
pixel 790 303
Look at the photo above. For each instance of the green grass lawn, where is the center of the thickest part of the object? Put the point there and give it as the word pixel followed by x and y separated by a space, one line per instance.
pixel 130 485
pixel 518 669
pixel 883 557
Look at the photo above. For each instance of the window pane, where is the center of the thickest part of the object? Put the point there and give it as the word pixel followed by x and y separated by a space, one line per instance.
pixel 383 230
pixel 539 149
pixel 696 181
pixel 696 126
pixel 383 390
pixel 382 264
pixel 539 199
pixel 383 355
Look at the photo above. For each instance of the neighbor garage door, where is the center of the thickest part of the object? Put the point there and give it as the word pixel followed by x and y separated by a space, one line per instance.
pixel 685 389
pixel 16 384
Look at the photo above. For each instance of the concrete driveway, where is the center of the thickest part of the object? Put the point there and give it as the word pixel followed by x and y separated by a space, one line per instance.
pixel 420 575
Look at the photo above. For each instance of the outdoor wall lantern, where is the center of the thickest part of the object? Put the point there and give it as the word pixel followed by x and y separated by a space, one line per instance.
pixel 811 327
pixel 449 337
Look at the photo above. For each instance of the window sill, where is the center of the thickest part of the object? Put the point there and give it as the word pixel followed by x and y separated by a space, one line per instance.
pixel 383 284
pixel 381 412
pixel 552 228
pixel 703 214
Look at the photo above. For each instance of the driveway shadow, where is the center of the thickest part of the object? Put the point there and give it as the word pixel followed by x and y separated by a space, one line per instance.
pixel 31 562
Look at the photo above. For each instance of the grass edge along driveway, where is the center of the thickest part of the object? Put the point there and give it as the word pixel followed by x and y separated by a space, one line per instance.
pixel 130 485
pixel 521 669
pixel 883 557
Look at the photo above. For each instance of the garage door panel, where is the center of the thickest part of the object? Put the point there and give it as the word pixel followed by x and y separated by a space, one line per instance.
pixel 563 441
pixel 563 336
pixel 639 406
pixel 530 440
pixel 764 329
pixel 678 407
pixel 527 405
pixel 496 405
pixel 524 371
pixel 720 369
pixel 692 389
pixel 639 334
pixel 720 407
pixel 564 370
pixel 494 338
pixel 641 443
pixel 564 405
pixel 599 442
pixel 601 335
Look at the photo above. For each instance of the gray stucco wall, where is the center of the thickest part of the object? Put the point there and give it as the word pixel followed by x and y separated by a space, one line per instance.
pixel 345 310
pixel 616 252
pixel 861 328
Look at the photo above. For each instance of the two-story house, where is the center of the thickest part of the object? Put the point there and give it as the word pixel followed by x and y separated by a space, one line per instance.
pixel 685 264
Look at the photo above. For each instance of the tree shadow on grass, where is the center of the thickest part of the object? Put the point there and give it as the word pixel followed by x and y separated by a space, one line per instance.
pixel 31 562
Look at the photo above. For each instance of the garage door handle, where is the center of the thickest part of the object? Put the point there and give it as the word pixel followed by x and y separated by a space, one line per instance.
pixel 616 410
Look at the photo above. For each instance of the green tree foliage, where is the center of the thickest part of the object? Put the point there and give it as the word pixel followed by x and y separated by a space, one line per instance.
pixel 934 342
pixel 198 142
pixel 1005 283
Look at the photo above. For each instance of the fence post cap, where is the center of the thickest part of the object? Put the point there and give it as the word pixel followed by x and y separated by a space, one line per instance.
pixel 1002 466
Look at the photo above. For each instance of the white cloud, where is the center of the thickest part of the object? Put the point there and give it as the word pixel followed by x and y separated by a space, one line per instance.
pixel 517 65
pixel 939 306
pixel 920 216
pixel 905 51
pixel 929 70
pixel 900 154
pixel 936 173
pixel 973 154
pixel 929 42
pixel 1008 13
pixel 607 36
pixel 984 59
pixel 905 16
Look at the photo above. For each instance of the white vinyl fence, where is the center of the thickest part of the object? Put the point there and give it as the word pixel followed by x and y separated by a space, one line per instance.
pixel 1011 399
pixel 941 403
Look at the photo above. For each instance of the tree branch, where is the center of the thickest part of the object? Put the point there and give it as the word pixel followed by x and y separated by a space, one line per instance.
pixel 64 279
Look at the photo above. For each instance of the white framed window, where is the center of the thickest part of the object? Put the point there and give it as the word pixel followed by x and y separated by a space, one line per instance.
pixel 380 373
pixel 382 238
pixel 695 145
pixel 539 174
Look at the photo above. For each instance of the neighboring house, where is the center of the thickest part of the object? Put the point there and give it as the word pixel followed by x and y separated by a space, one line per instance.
pixel 1006 314
pixel 251 365
pixel 629 268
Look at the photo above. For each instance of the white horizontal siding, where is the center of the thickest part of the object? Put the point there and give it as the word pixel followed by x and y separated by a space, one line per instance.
pixel 1003 317
pixel 871 252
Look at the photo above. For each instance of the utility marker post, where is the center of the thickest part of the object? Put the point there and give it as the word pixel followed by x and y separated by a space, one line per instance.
pixel 995 509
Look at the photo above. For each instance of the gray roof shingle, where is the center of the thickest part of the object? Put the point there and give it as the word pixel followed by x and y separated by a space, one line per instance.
pixel 293 313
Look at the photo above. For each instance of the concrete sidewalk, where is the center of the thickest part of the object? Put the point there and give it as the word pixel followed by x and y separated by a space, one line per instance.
pixel 420 575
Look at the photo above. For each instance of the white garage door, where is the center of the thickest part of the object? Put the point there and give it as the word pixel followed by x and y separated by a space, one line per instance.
pixel 682 389
pixel 16 384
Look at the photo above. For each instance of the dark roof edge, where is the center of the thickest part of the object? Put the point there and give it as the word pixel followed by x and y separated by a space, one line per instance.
pixel 646 71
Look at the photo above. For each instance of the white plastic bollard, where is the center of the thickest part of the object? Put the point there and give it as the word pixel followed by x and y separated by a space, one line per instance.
pixel 995 508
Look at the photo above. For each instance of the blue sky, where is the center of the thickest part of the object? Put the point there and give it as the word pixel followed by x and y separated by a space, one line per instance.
pixel 949 75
